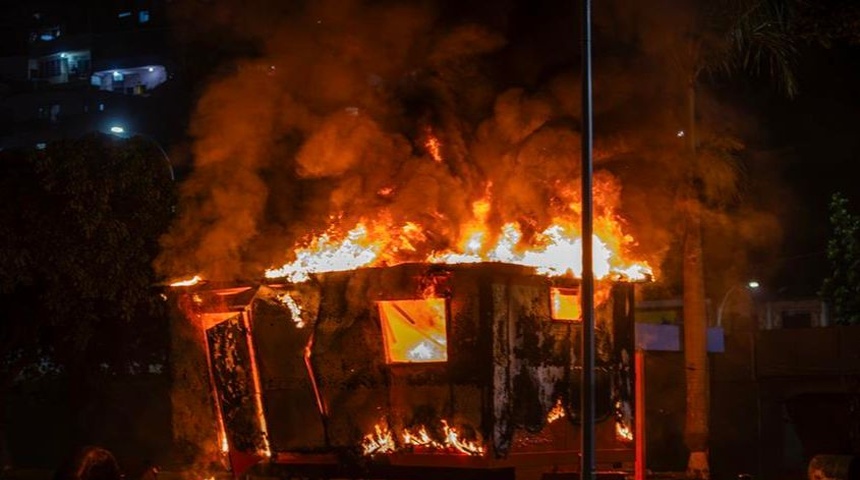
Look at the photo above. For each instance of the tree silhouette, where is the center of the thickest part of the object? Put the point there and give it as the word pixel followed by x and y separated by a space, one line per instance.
pixel 81 221
pixel 841 289
pixel 725 37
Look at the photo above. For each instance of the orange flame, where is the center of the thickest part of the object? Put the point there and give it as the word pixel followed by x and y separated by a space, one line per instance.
pixel 623 431
pixel 556 413
pixel 222 434
pixel 365 244
pixel 294 308
pixel 383 441
pixel 189 282
pixel 554 251
pixel 452 439
pixel 433 145
pixel 420 438
pixel 380 441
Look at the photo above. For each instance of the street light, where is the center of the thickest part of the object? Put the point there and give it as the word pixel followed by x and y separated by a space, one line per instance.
pixel 751 285
pixel 119 131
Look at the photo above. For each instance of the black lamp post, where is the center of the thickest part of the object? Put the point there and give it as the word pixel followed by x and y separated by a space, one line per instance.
pixel 587 290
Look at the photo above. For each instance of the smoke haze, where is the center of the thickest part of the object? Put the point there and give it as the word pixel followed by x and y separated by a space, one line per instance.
pixel 324 112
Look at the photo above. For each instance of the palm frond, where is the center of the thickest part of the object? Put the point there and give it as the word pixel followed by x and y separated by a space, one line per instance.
pixel 757 39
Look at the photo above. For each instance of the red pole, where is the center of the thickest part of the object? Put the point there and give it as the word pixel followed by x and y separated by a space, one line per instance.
pixel 639 414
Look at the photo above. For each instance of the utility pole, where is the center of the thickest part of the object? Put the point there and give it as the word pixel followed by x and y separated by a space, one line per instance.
pixel 587 290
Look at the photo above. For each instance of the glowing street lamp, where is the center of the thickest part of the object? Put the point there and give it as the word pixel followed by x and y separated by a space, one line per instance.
pixel 751 285
pixel 119 131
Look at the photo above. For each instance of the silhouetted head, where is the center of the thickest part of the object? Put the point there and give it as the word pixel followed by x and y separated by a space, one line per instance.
pixel 90 463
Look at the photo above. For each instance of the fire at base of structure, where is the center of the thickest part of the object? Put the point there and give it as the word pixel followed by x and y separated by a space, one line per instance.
pixel 483 366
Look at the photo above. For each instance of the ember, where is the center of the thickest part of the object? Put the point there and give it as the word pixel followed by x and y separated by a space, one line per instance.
pixel 556 412
pixel 295 309
pixel 225 445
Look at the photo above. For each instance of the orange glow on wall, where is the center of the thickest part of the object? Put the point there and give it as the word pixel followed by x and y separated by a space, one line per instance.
pixel 414 331
pixel 565 304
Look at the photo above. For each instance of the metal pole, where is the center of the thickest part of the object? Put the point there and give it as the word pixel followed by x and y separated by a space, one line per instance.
pixel 163 154
pixel 587 297
pixel 119 131
pixel 723 304
pixel 752 284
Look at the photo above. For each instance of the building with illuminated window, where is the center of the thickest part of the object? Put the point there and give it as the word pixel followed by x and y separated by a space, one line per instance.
pixel 74 67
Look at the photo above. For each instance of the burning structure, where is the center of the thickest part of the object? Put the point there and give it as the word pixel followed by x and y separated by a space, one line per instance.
pixel 469 369
pixel 428 312
pixel 412 340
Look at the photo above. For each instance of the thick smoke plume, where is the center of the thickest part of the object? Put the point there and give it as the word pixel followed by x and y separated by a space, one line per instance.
pixel 326 116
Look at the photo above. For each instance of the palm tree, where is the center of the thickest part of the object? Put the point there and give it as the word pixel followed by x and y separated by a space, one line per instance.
pixel 722 37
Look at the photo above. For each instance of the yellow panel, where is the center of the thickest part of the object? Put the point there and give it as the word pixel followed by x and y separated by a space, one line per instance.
pixel 414 330
pixel 212 319
pixel 565 304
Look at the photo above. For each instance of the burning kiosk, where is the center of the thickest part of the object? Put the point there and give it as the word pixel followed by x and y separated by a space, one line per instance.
pixel 415 370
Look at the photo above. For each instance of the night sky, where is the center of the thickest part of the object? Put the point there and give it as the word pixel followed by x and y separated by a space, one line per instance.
pixel 816 146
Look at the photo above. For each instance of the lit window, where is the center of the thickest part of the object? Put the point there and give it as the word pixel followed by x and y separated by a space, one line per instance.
pixel 143 16
pixel 565 304
pixel 413 331
pixel 124 14
pixel 101 107
pixel 41 146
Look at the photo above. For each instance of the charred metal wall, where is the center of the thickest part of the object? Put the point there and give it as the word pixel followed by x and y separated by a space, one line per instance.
pixel 232 371
pixel 325 383
pixel 289 396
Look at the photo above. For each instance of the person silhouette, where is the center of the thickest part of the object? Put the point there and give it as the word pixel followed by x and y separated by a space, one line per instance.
pixel 90 463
